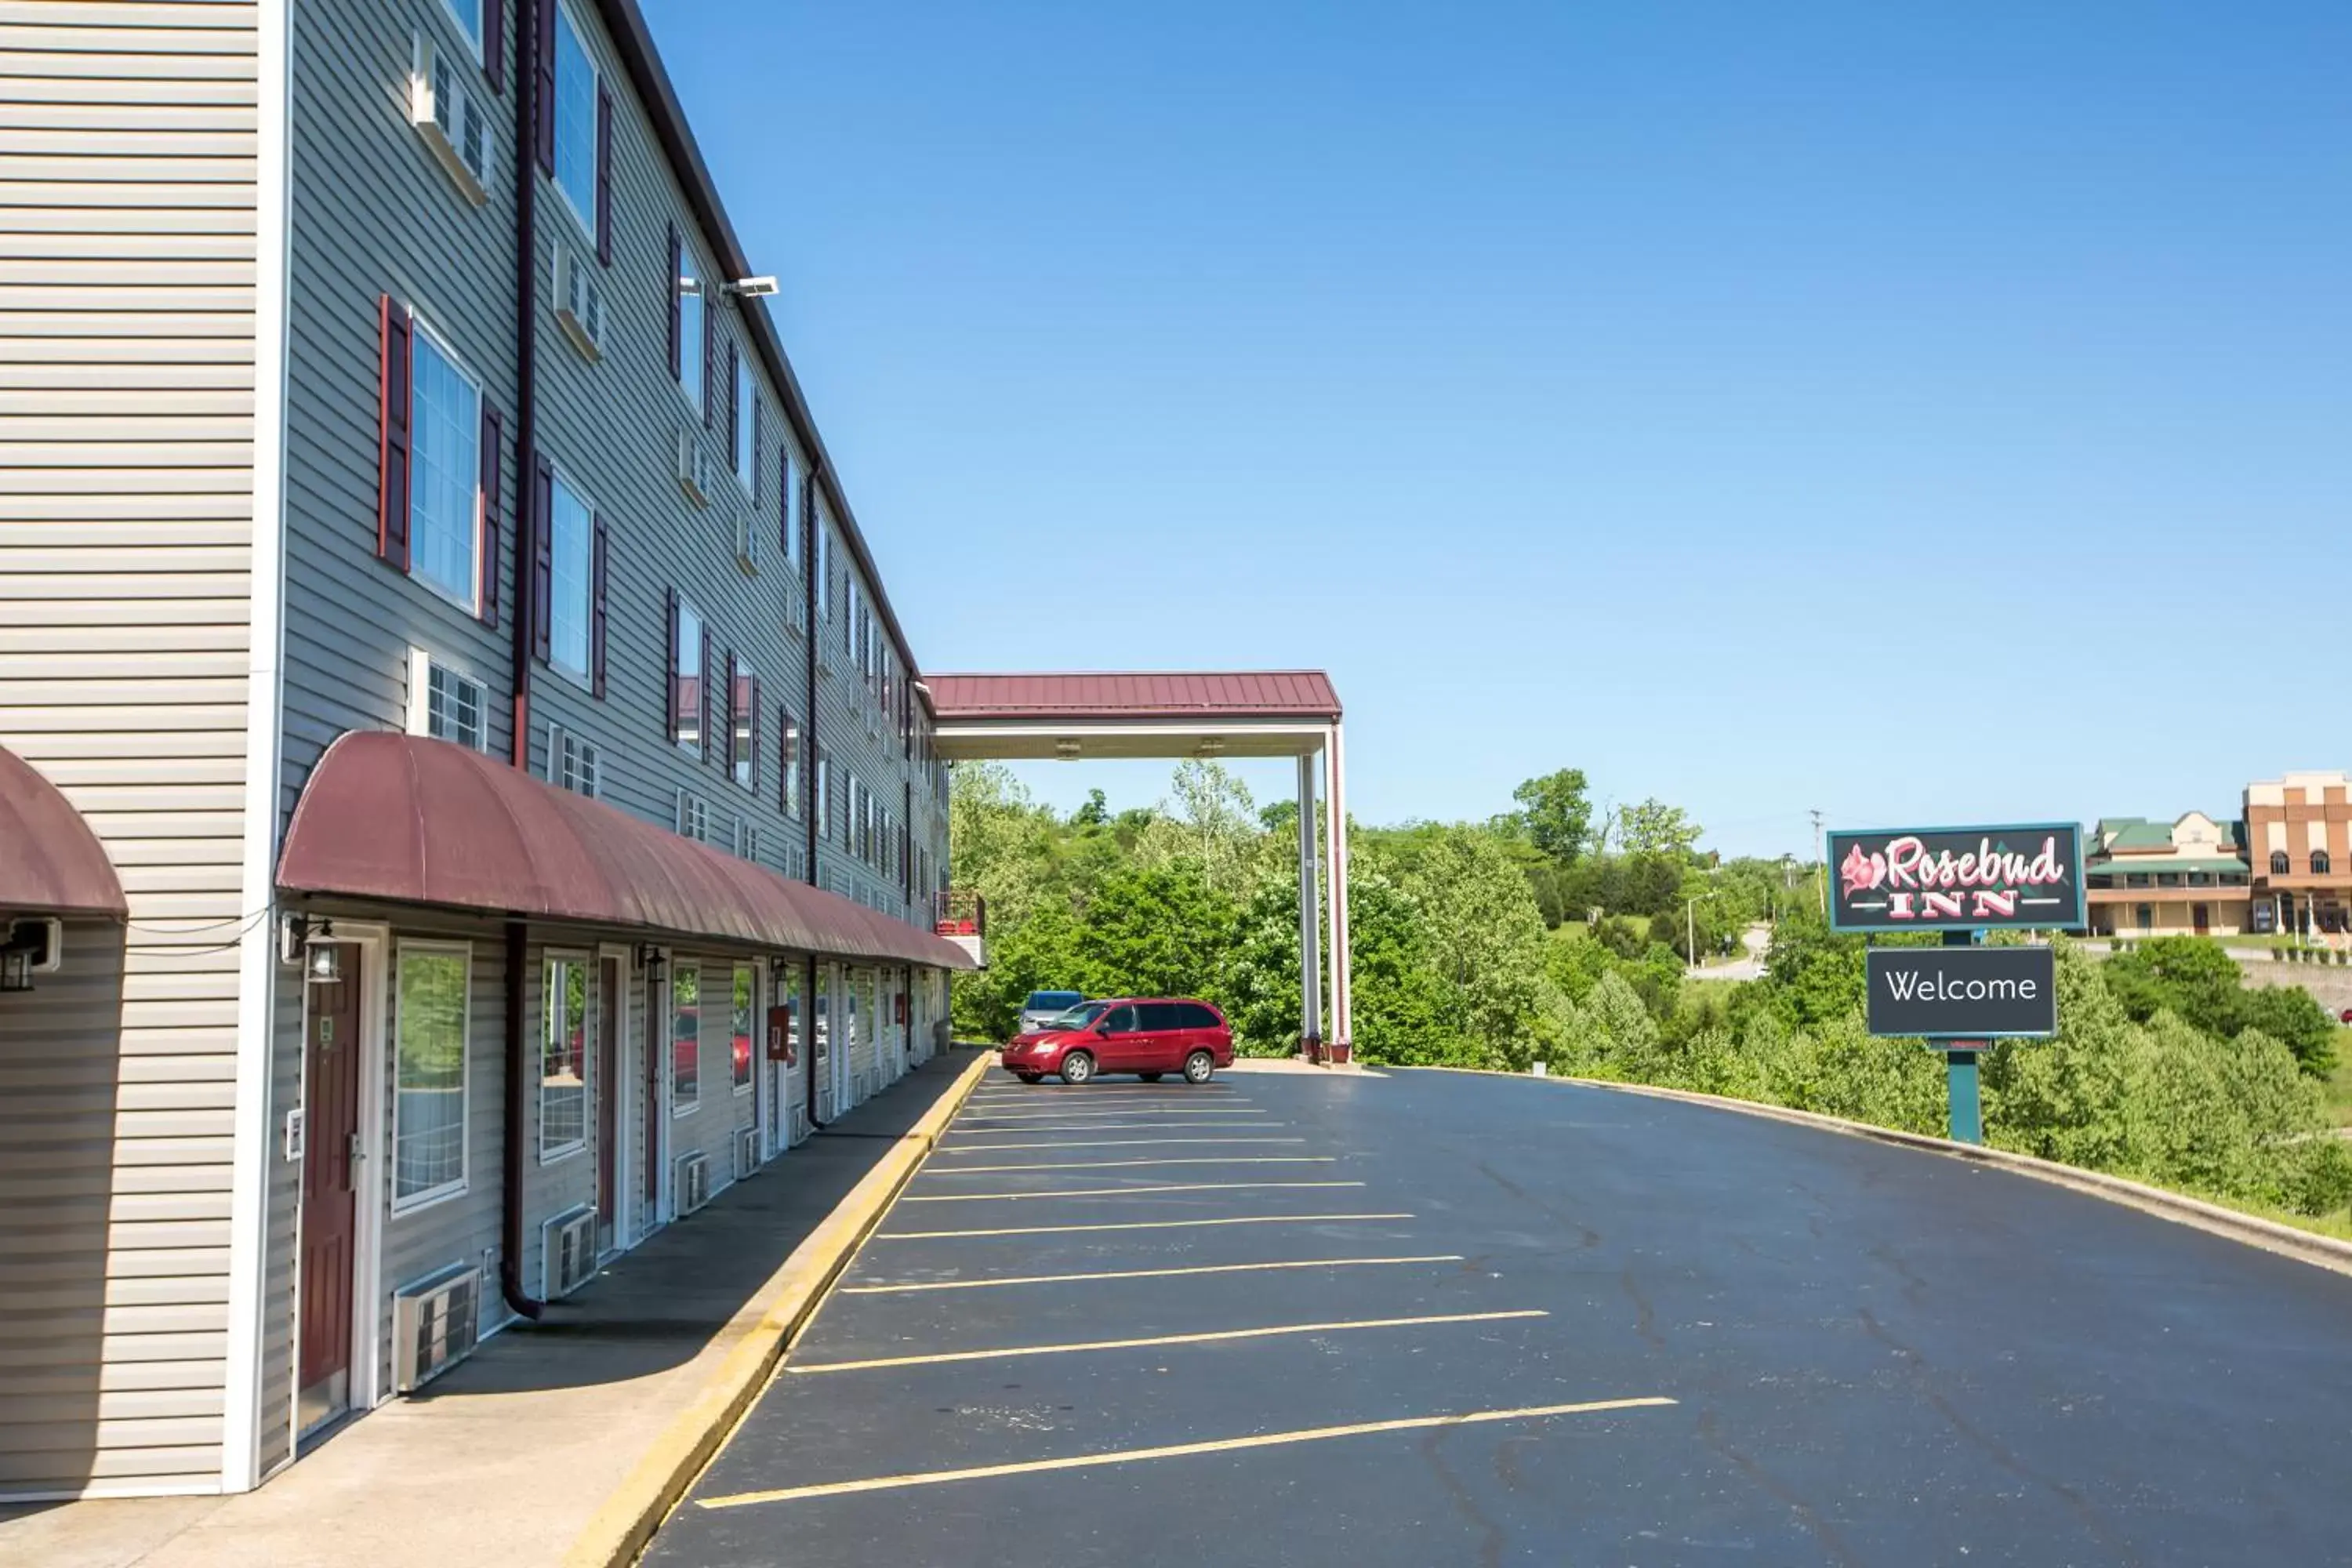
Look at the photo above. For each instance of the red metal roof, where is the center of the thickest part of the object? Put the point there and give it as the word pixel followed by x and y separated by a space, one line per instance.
pixel 1203 694
pixel 50 862
pixel 424 822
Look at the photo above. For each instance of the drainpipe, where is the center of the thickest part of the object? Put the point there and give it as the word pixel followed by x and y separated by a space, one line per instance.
pixel 518 1065
pixel 526 75
pixel 808 781
pixel 526 56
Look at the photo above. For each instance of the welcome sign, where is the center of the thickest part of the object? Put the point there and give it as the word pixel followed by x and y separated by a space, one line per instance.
pixel 1957 878
pixel 1963 993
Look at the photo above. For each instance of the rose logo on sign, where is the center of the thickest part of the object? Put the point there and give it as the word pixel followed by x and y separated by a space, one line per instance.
pixel 1957 878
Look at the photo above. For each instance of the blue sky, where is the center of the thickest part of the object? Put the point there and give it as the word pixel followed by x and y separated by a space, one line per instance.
pixel 1933 412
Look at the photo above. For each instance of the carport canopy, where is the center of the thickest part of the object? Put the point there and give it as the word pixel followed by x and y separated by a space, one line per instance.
pixel 1073 716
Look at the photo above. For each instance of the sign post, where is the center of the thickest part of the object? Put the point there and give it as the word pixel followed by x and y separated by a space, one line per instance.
pixel 1960 996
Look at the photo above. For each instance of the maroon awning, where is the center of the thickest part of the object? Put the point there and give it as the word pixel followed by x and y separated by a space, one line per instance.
pixel 417 821
pixel 1181 694
pixel 50 862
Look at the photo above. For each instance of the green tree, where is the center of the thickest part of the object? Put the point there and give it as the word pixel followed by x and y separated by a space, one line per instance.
pixel 1556 814
pixel 1653 827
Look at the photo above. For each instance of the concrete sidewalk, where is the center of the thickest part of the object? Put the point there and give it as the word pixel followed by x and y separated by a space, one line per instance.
pixel 505 1460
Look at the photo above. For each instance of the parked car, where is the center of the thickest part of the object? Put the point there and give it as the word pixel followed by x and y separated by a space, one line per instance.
pixel 2345 1017
pixel 1044 1007
pixel 1149 1037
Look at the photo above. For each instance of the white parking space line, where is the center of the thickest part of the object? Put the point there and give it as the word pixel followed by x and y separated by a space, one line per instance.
pixel 982 1114
pixel 1135 1224
pixel 915 1287
pixel 1178 1450
pixel 1141 1190
pixel 1213 1336
pixel 1107 1126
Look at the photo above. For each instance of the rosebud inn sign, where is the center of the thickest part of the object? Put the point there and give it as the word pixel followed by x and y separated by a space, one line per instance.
pixel 1957 878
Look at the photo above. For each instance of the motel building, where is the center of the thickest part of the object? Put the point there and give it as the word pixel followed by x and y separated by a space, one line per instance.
pixel 447 703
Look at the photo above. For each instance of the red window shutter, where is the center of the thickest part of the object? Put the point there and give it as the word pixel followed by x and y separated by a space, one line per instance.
pixel 785 506
pixel 708 349
pixel 669 652
pixel 734 413
pixel 542 555
pixel 543 76
pixel 494 44
pixel 726 710
pixel 756 436
pixel 605 176
pixel 493 434
pixel 754 716
pixel 596 581
pixel 392 422
pixel 784 760
pixel 670 288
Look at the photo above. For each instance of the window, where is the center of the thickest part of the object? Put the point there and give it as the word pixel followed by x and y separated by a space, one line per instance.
pixel 445 473
pixel 575 121
pixel 2320 864
pixel 693 816
pixel 572 534
pixel 444 704
pixel 684 1038
pixel 693 351
pixel 791 503
pixel 790 763
pixel 574 763
pixel 824 565
pixel 469 14
pixel 687 649
pixel 824 787
pixel 2279 863
pixel 1120 1021
pixel 1193 1016
pixel 743 727
pixel 563 1059
pixel 747 839
pixel 746 441
pixel 428 1112
pixel 739 1047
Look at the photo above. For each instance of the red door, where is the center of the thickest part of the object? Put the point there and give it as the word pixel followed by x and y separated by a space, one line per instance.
pixel 607 1090
pixel 650 1209
pixel 330 1133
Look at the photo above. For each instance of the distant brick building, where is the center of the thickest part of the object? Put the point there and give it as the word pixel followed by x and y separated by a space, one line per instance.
pixel 2299 831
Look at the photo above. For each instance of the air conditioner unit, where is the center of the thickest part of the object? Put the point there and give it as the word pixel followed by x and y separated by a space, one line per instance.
pixel 454 122
pixel 747 1152
pixel 579 302
pixel 567 1251
pixel 693 1183
pixel 435 1324
pixel 693 467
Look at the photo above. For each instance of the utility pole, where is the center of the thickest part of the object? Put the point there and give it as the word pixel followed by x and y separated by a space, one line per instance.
pixel 1819 859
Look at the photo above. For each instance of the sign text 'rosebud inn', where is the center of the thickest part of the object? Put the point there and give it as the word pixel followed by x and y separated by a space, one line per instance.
pixel 1957 878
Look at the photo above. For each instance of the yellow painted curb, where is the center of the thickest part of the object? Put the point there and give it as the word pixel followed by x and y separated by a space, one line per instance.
pixel 620 1529
pixel 2198 1213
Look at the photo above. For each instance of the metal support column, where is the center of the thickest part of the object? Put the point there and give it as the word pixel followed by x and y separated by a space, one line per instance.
pixel 1335 828
pixel 1310 912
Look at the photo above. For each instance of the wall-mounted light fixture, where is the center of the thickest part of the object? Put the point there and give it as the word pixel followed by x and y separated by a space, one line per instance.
pixel 649 959
pixel 296 933
pixel 323 965
pixel 1066 751
pixel 752 288
pixel 1212 746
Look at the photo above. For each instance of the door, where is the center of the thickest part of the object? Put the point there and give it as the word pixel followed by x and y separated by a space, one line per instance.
pixel 2203 919
pixel 331 1146
pixel 649 1099
pixel 607 1090
pixel 1160 1047
pixel 1118 1035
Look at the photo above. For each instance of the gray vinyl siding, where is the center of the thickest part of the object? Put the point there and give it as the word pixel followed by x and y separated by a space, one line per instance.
pixel 282 1235
pixel 611 427
pixel 373 214
pixel 127 296
pixel 710 1127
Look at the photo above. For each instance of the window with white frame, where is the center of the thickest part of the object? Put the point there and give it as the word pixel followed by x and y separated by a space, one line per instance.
pixel 685 704
pixel 747 421
pixel 747 839
pixel 444 704
pixel 741 1035
pixel 794 508
pixel 791 766
pixel 693 816
pixel 743 728
pixel 824 787
pixel 823 566
pixel 429 1038
pixel 575 119
pixel 693 328
pixel 468 15
pixel 684 1038
pixel 444 488
pixel 572 537
pixel 573 763
pixel 563 1058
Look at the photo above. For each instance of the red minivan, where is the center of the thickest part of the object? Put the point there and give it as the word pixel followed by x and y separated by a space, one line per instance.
pixel 1149 1037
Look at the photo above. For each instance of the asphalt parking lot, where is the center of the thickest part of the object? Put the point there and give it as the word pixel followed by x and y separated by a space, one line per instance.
pixel 1436 1319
